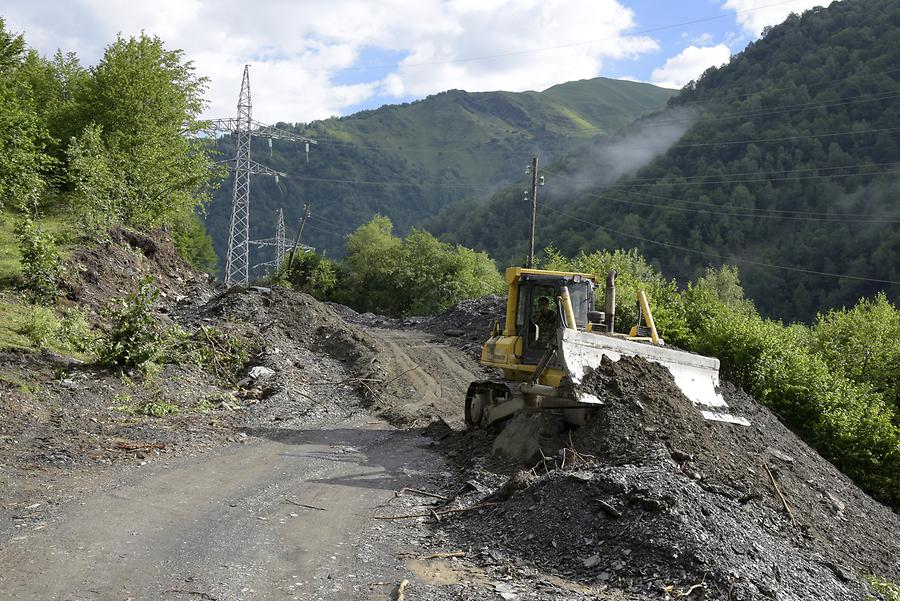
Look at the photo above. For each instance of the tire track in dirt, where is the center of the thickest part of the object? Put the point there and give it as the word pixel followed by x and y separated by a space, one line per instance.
pixel 431 378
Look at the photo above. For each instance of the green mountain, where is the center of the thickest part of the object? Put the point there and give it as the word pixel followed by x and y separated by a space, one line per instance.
pixel 788 168
pixel 412 160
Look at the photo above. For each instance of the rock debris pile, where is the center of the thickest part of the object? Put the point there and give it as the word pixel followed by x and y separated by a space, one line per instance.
pixel 468 323
pixel 650 499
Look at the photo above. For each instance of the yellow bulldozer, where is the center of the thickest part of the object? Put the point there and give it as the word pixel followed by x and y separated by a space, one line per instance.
pixel 552 338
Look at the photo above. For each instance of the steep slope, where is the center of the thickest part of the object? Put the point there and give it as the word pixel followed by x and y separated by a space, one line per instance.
pixel 792 161
pixel 433 152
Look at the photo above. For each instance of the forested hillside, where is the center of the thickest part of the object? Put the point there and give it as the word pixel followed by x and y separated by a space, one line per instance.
pixel 421 157
pixel 789 170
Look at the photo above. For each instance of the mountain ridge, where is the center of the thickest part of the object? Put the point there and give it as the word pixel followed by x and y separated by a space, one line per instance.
pixel 422 156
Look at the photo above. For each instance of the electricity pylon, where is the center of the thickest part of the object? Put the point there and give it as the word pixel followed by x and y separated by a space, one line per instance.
pixel 244 128
pixel 280 242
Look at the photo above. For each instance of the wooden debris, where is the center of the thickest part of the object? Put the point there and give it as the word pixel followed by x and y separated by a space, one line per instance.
pixel 304 505
pixel 200 594
pixel 400 590
pixel 609 509
pixel 423 493
pixel 444 555
pixel 433 513
pixel 778 492
pixel 127 445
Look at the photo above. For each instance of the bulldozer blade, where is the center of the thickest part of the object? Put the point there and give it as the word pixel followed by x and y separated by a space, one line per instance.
pixel 696 375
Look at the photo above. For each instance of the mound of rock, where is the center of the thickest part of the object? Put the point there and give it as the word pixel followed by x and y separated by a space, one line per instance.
pixel 653 500
pixel 468 323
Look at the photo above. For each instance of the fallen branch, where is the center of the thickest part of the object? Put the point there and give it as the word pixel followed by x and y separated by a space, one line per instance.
pixel 400 589
pixel 433 513
pixel 419 492
pixel 609 509
pixel 123 445
pixel 690 591
pixel 778 492
pixel 200 594
pixel 304 505
pixel 400 375
pixel 444 555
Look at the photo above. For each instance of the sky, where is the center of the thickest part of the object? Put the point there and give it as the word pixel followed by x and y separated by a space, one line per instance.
pixel 312 59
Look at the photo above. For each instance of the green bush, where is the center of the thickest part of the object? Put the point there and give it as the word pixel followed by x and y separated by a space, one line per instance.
pixel 633 274
pixel 890 591
pixel 40 260
pixel 41 326
pixel 311 273
pixel 194 244
pixel 847 422
pixel 863 343
pixel 416 275
pixel 149 408
pixel 134 339
pixel 76 333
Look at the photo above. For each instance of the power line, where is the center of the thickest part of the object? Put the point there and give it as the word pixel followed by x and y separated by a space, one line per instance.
pixel 653 183
pixel 690 178
pixel 321 229
pixel 611 142
pixel 777 211
pixel 333 222
pixel 723 257
pixel 712 210
pixel 751 181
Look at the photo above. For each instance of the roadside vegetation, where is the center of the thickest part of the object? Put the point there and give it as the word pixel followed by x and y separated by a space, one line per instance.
pixel 89 149
pixel 833 382
pixel 385 274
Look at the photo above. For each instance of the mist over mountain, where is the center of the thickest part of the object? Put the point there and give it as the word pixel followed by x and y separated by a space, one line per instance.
pixel 412 161
pixel 787 168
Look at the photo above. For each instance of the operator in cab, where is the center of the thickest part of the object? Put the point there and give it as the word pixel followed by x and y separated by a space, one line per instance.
pixel 547 322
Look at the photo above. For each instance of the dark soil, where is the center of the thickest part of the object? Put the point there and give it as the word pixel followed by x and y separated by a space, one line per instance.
pixel 97 273
pixel 468 324
pixel 656 500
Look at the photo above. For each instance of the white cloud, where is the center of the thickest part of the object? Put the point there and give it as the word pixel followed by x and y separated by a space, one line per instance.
pixel 689 64
pixel 305 54
pixel 754 15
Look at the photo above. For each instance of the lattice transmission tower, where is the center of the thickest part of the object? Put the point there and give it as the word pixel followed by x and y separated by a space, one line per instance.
pixel 280 242
pixel 244 129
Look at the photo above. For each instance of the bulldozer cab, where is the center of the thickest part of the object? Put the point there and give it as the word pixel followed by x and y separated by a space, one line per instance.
pixel 538 312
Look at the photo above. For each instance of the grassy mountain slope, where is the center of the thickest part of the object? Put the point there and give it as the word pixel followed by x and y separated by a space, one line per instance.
pixel 434 152
pixel 791 161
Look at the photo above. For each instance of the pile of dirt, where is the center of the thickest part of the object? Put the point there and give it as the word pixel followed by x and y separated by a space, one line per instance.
pixel 309 348
pixel 95 274
pixel 658 502
pixel 468 323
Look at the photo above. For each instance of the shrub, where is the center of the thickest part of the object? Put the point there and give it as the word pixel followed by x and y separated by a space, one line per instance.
pixel 40 260
pixel 862 344
pixel 75 332
pixel 847 422
pixel 40 327
pixel 311 273
pixel 210 348
pixel 634 274
pixel 134 339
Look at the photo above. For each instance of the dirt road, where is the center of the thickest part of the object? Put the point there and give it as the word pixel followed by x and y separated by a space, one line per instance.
pixel 286 515
pixel 431 377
